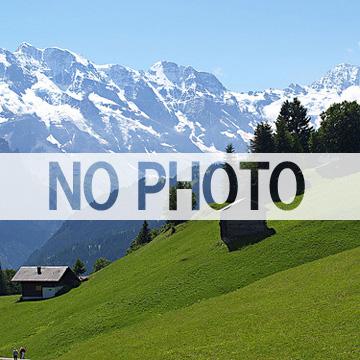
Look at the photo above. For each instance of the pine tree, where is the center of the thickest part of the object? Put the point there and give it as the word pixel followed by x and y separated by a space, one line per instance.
pixel 284 142
pixel 3 286
pixel 144 235
pixel 11 288
pixel 173 199
pixel 173 194
pixel 101 263
pixel 230 149
pixel 298 123
pixel 79 267
pixel 232 176
pixel 315 143
pixel 263 140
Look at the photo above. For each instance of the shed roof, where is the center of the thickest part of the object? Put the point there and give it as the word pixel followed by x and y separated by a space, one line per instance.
pixel 48 273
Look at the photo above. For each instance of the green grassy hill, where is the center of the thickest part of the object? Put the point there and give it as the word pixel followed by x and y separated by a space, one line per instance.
pixel 168 285
pixel 303 313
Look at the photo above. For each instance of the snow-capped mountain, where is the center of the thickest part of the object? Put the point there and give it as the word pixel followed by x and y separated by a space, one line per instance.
pixel 339 84
pixel 340 78
pixel 55 100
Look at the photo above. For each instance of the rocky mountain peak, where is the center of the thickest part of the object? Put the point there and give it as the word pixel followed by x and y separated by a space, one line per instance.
pixel 340 77
pixel 53 99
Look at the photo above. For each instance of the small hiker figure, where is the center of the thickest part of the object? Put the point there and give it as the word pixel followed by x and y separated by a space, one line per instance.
pixel 15 354
pixel 22 353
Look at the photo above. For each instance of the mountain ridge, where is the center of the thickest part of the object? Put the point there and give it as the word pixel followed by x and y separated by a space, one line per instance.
pixel 54 100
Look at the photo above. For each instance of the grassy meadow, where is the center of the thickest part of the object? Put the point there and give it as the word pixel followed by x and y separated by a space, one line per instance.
pixel 184 296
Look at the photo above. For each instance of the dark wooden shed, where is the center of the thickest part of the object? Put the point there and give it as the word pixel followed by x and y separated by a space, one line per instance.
pixel 44 282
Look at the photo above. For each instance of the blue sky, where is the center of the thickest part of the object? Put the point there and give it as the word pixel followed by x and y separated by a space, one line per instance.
pixel 249 45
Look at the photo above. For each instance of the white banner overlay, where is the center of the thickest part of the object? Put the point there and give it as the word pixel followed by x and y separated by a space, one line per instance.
pixel 214 186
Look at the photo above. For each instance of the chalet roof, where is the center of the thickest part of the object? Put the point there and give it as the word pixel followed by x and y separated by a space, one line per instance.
pixel 48 273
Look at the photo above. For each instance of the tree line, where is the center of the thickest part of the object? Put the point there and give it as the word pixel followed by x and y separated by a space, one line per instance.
pixel 339 130
pixel 6 286
pixel 79 267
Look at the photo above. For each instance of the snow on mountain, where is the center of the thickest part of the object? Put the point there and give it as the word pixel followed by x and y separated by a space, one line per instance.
pixel 340 77
pixel 53 100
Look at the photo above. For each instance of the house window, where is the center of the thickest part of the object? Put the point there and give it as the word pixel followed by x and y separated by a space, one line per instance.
pixel 38 287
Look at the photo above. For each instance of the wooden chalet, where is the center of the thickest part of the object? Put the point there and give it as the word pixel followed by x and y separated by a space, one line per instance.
pixel 44 282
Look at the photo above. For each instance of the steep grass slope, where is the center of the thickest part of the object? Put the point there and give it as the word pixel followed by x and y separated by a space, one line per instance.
pixel 308 312
pixel 170 273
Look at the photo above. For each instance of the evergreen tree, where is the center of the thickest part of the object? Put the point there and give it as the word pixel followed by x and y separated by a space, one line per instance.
pixel 173 194
pixel 173 199
pixel 3 286
pixel 298 123
pixel 101 263
pixel 79 267
pixel 144 235
pixel 11 288
pixel 230 149
pixel 263 140
pixel 340 128
pixel 315 143
pixel 155 232
pixel 284 141
pixel 297 146
pixel 232 176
